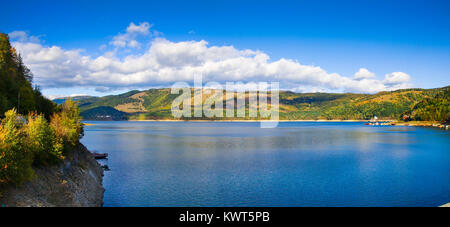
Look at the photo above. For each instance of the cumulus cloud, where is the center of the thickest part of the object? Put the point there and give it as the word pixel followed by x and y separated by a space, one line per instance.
pixel 396 78
pixel 165 62
pixel 129 38
pixel 364 73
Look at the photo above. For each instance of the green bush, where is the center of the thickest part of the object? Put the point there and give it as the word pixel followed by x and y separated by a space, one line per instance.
pixel 42 141
pixel 67 123
pixel 15 161
pixel 25 142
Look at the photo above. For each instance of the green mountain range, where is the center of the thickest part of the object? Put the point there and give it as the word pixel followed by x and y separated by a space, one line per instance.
pixel 408 104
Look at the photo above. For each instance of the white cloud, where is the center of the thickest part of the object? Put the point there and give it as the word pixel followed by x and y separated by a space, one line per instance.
pixel 129 38
pixel 19 35
pixel 166 62
pixel 396 78
pixel 142 28
pixel 51 97
pixel 22 36
pixel 134 44
pixel 364 73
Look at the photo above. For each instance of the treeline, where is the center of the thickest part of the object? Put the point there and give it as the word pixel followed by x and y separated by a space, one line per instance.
pixel 16 90
pixel 32 141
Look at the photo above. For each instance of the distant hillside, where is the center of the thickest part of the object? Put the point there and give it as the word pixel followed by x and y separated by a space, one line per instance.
pixel 384 105
pixel 74 98
pixel 156 104
pixel 436 108
pixel 104 113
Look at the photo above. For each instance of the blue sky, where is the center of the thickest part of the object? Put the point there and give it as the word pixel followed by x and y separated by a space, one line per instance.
pixel 340 37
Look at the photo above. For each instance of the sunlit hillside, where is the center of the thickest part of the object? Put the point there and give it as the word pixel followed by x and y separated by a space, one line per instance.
pixel 156 104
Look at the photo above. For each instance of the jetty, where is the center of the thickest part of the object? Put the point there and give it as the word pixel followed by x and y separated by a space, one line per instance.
pixel 100 155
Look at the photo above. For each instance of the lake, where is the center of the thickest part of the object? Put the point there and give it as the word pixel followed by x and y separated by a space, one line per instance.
pixel 296 164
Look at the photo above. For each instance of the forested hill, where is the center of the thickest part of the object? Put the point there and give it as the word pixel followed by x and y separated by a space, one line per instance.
pixel 16 89
pixel 416 104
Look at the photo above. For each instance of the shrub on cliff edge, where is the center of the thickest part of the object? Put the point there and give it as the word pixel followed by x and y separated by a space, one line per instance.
pixel 25 142
pixel 15 161
pixel 42 141
pixel 67 123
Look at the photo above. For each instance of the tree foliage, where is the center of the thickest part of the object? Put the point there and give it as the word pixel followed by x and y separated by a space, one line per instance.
pixel 16 90
pixel 27 138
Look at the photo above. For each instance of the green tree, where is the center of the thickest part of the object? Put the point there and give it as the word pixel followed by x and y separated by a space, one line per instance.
pixel 43 105
pixel 26 100
pixel 16 89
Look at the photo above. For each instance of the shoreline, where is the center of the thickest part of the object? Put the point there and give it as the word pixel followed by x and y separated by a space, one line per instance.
pixel 383 122
pixel 433 124
pixel 252 120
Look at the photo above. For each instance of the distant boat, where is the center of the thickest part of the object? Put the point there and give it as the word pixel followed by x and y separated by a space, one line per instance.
pixel 100 155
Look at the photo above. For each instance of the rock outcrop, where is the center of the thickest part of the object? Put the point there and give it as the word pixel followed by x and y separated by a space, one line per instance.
pixel 77 182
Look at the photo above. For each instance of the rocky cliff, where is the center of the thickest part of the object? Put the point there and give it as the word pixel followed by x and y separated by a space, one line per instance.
pixel 77 182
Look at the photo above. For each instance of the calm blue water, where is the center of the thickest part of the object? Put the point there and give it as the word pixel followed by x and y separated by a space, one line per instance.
pixel 296 164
